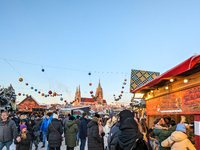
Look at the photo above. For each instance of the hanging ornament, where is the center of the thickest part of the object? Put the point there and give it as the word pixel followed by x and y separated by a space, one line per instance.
pixel 54 94
pixel 95 99
pixel 122 91
pixel 20 79
pixel 65 101
pixel 35 90
pixel 29 95
pixel 125 80
pixel 91 92
pixel 89 73
pixel 48 95
pixel 61 99
pixel 31 88
pixel 19 94
pixel 114 95
pixel 124 83
pixel 120 95
pixel 90 84
pixel 92 95
pixel 122 87
pixel 42 94
pixel 45 96
pixel 50 92
pixel 26 84
pixel 23 94
pixel 26 95
pixel 39 92
pixel 42 70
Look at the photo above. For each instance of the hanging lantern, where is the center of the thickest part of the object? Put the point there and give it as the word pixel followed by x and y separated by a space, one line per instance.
pixel 125 80
pixel 26 95
pixel 91 92
pixel 31 88
pixel 23 94
pixel 42 70
pixel 122 91
pixel 26 84
pixel 122 87
pixel 90 84
pixel 29 95
pixel 54 94
pixel 65 101
pixel 124 83
pixel 92 95
pixel 50 92
pixel 38 92
pixel 114 95
pixel 45 96
pixel 19 94
pixel 35 90
pixel 48 95
pixel 95 99
pixel 120 95
pixel 20 79
pixel 42 94
pixel 89 73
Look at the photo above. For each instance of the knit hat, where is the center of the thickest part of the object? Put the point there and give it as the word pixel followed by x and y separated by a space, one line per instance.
pixel 181 127
pixel 125 114
pixel 95 119
pixel 22 127
pixel 55 116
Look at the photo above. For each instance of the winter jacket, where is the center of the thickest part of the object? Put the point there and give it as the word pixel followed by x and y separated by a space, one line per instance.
pixel 129 134
pixel 181 142
pixel 24 144
pixel 106 130
pixel 71 130
pixel 65 120
pixel 44 125
pixel 112 138
pixel 77 122
pixel 35 132
pixel 53 136
pixel 94 140
pixel 163 134
pixel 7 130
pixel 38 122
pixel 83 128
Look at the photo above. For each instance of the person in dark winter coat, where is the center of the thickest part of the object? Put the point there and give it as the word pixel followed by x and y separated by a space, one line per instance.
pixel 130 133
pixel 7 131
pixel 35 131
pixel 94 140
pixel 83 131
pixel 23 140
pixel 54 133
pixel 38 121
pixel 112 138
pixel 71 130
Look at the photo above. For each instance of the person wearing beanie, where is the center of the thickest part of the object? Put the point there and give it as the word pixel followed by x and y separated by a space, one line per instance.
pixel 54 133
pixel 83 131
pixel 23 140
pixel 95 142
pixel 178 139
pixel 71 130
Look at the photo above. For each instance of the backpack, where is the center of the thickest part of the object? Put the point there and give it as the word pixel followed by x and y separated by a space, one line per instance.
pixel 140 144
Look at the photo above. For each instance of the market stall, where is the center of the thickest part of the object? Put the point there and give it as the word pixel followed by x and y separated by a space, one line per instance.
pixel 175 93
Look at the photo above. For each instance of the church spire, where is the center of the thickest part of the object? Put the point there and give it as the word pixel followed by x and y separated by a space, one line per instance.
pixel 76 89
pixel 99 85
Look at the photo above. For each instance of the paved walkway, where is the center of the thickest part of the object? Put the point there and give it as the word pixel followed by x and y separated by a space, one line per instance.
pixel 63 147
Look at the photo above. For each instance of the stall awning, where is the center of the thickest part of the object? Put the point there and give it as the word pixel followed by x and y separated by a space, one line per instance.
pixel 179 69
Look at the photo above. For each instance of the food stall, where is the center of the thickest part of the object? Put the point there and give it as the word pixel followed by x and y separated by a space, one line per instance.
pixel 175 93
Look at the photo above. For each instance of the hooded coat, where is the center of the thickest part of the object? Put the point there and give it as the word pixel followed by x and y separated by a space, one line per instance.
pixel 94 140
pixel 129 134
pixel 163 134
pixel 71 130
pixel 181 141
pixel 53 136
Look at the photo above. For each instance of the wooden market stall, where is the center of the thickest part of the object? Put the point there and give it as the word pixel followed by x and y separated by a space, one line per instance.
pixel 175 93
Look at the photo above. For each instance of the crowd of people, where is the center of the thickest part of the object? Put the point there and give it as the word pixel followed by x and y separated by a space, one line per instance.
pixel 121 132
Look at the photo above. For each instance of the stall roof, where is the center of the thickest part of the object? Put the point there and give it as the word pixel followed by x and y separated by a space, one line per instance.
pixel 185 68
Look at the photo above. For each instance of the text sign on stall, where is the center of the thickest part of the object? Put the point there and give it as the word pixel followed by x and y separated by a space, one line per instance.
pixel 183 102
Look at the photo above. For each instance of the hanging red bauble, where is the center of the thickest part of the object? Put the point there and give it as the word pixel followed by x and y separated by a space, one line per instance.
pixel 113 95
pixel 91 92
pixel 90 84
pixel 65 101
pixel 19 94
pixel 50 92
pixel 20 79
pixel 48 95
pixel 39 92
pixel 122 87
pixel 122 92
pixel 26 84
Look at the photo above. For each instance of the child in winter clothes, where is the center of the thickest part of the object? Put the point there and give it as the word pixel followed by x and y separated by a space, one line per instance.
pixel 178 139
pixel 23 140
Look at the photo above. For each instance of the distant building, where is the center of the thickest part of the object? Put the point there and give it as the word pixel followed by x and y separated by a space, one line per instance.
pixel 90 101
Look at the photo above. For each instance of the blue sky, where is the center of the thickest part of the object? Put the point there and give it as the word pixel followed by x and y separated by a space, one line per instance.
pixel 92 35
